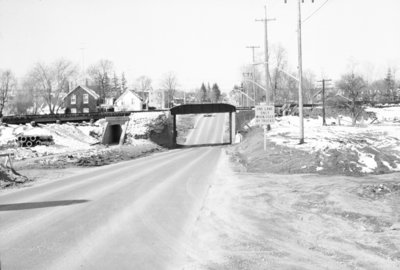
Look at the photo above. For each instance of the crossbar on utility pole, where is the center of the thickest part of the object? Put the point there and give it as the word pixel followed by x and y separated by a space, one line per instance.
pixel 254 71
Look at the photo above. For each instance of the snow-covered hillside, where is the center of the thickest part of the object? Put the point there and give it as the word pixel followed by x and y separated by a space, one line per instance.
pixel 72 137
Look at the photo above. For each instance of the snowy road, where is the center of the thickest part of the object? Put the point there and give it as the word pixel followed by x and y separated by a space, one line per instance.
pixel 131 215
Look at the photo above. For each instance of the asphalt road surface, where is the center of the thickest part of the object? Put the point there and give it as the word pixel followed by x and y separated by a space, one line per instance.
pixel 131 215
pixel 208 129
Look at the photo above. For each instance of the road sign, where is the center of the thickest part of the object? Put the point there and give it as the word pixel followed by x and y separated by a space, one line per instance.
pixel 265 115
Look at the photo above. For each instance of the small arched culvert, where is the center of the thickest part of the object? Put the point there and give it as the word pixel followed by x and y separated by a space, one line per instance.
pixel 114 130
pixel 112 134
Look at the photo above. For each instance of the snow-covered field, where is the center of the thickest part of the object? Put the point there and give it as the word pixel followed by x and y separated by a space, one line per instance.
pixel 375 144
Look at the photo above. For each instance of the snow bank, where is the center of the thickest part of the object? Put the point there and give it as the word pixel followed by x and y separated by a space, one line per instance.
pixel 364 140
pixel 386 114
pixel 72 137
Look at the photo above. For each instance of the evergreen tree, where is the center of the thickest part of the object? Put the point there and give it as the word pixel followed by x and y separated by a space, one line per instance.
pixel 390 93
pixel 124 83
pixel 202 93
pixel 116 87
pixel 208 92
pixel 215 93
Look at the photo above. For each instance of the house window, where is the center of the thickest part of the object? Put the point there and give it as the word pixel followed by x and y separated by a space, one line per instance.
pixel 86 110
pixel 73 110
pixel 85 99
pixel 73 99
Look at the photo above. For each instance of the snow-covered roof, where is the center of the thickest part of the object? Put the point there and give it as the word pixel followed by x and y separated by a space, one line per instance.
pixel 88 90
pixel 129 91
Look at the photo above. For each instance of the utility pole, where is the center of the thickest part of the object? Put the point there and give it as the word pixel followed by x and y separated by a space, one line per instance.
pixel 300 76
pixel 300 61
pixel 267 77
pixel 323 100
pixel 254 72
pixel 246 74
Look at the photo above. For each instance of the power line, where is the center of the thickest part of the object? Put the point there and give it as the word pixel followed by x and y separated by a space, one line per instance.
pixel 312 14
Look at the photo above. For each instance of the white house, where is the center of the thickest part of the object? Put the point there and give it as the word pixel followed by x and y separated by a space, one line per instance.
pixel 129 101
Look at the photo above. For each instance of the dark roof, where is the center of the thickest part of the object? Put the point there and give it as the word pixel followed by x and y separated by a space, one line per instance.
pixel 203 108
pixel 88 90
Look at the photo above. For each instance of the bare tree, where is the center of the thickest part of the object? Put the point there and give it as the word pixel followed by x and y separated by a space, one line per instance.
pixel 25 101
pixel 278 58
pixel 143 83
pixel 51 81
pixel 309 88
pixel 7 85
pixel 351 87
pixel 100 75
pixel 169 84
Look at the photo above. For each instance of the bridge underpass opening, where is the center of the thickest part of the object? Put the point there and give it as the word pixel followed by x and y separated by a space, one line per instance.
pixel 203 124
pixel 202 129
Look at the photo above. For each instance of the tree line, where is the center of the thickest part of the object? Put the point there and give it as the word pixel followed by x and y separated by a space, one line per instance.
pixel 45 85
pixel 209 94
pixel 351 92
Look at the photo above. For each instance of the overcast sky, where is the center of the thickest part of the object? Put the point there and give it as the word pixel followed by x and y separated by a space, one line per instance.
pixel 202 40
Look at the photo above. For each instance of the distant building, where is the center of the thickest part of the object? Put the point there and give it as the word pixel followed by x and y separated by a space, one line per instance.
pixel 156 99
pixel 129 101
pixel 81 100
pixel 108 105
pixel 178 101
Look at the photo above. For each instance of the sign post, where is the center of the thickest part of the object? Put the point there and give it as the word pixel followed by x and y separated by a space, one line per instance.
pixel 265 115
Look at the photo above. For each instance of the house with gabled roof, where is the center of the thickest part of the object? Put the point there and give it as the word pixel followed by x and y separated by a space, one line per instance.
pixel 81 99
pixel 129 101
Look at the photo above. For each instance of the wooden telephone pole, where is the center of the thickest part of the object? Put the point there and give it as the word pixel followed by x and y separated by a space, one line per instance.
pixel 254 73
pixel 300 61
pixel 323 81
pixel 267 77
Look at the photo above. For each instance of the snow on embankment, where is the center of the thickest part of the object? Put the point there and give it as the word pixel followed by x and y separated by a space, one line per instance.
pixel 141 125
pixel 386 114
pixel 82 139
pixel 67 138
pixel 362 149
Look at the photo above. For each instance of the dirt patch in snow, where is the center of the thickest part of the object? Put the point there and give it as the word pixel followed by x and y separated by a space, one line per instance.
pixel 98 156
pixel 10 178
pixel 271 221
